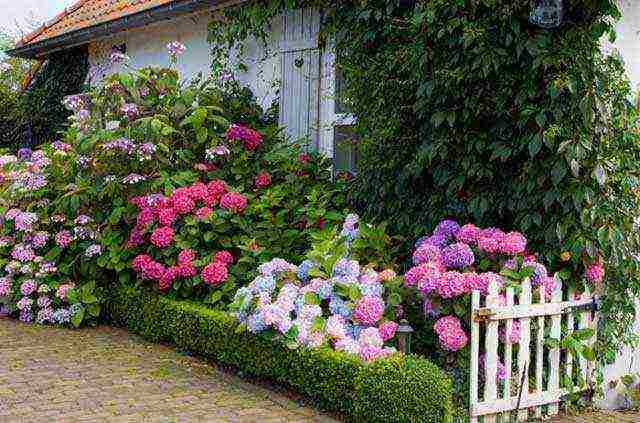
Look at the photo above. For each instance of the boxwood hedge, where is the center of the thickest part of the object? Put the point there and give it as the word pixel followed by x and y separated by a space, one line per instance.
pixel 398 389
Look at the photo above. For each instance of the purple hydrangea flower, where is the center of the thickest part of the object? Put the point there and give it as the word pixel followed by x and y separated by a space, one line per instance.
pixel 25 153
pixel 447 228
pixel 28 287
pixel 457 256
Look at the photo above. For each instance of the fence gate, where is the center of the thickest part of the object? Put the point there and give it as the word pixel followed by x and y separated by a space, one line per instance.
pixel 529 384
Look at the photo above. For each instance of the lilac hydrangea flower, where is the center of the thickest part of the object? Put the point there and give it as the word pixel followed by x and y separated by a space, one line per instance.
pixel 28 287
pixel 24 221
pixel 447 228
pixel 93 250
pixel 457 256
pixel 176 48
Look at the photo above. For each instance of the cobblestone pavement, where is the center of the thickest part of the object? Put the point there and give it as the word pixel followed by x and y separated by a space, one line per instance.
pixel 600 417
pixel 108 375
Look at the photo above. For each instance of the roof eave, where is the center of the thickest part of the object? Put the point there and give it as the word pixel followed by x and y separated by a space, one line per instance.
pixel 45 47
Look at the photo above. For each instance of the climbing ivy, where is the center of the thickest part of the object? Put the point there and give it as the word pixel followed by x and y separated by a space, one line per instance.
pixel 466 110
pixel 63 74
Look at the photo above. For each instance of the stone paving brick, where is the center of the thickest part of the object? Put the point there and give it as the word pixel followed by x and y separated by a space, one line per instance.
pixel 105 374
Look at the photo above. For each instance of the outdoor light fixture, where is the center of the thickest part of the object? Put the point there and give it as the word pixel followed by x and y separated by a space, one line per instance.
pixel 546 14
pixel 404 337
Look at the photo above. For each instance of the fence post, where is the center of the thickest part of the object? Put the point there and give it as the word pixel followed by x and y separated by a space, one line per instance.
pixel 523 348
pixel 475 351
pixel 491 352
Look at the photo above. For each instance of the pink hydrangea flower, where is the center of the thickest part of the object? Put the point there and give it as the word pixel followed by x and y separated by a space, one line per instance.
pixel 170 275
pixel 162 237
pixel 182 203
pixel 490 240
pixel 146 216
pixel 368 310
pixel 250 138
pixel 140 262
pixel 513 243
pixel 450 333
pixel 135 238
pixel 263 180
pixel 214 273
pixel 187 270
pixel 223 257
pixel 595 273
pixel 204 212
pixel 451 284
pixel 198 191
pixel 233 201
pixel 166 216
pixel 426 253
pixel 215 190
pixel 388 330
pixel 62 291
pixel 186 256
pixel 468 234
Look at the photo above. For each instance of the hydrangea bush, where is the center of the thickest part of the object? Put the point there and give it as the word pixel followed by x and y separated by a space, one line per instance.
pixel 48 257
pixel 330 299
pixel 455 260
pixel 143 133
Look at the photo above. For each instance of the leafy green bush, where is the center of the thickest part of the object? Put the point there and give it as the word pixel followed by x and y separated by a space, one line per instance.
pixel 48 257
pixel 466 110
pixel 145 138
pixel 397 389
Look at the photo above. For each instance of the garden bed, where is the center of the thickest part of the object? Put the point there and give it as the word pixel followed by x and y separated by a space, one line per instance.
pixel 395 389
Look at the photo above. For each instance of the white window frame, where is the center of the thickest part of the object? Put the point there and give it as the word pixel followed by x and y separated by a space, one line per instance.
pixel 329 118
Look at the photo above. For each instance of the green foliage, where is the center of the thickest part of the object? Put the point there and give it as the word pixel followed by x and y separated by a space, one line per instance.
pixel 397 389
pixel 466 110
pixel 61 75
pixel 169 140
pixel 404 389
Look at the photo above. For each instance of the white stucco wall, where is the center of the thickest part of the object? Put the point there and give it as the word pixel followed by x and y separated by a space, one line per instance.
pixel 147 47
pixel 628 40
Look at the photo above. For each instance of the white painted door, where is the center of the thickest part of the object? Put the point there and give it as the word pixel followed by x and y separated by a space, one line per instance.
pixel 300 87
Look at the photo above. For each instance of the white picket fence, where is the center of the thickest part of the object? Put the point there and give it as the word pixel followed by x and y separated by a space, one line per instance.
pixel 515 398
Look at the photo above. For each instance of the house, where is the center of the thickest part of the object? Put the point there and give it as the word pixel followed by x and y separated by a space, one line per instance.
pixel 627 41
pixel 292 70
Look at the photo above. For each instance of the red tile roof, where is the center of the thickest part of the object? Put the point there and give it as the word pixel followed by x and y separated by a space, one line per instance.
pixel 86 13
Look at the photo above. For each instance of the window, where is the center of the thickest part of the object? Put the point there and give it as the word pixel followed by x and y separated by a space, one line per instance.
pixel 337 138
pixel 345 151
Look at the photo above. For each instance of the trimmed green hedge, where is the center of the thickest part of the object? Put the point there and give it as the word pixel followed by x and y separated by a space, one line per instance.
pixel 397 389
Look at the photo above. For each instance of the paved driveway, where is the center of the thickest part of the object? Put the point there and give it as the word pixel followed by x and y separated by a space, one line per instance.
pixel 106 374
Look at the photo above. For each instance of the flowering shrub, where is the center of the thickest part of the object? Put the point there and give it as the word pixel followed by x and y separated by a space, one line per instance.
pixel 144 132
pixel 48 258
pixel 456 260
pixel 188 209
pixel 329 299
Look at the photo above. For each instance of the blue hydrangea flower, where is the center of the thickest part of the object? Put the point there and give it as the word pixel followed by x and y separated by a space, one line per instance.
pixel 61 316
pixel 255 323
pixel 325 291
pixel 304 268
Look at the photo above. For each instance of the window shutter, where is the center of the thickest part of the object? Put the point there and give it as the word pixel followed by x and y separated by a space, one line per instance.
pixel 300 64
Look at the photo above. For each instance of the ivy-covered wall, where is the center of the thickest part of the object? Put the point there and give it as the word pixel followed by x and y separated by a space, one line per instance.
pixel 467 110
pixel 62 74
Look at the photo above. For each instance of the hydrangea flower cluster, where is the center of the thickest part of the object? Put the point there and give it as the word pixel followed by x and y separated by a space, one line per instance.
pixel 344 310
pixel 28 279
pixel 176 48
pixel 157 217
pixel 249 138
pixel 447 267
